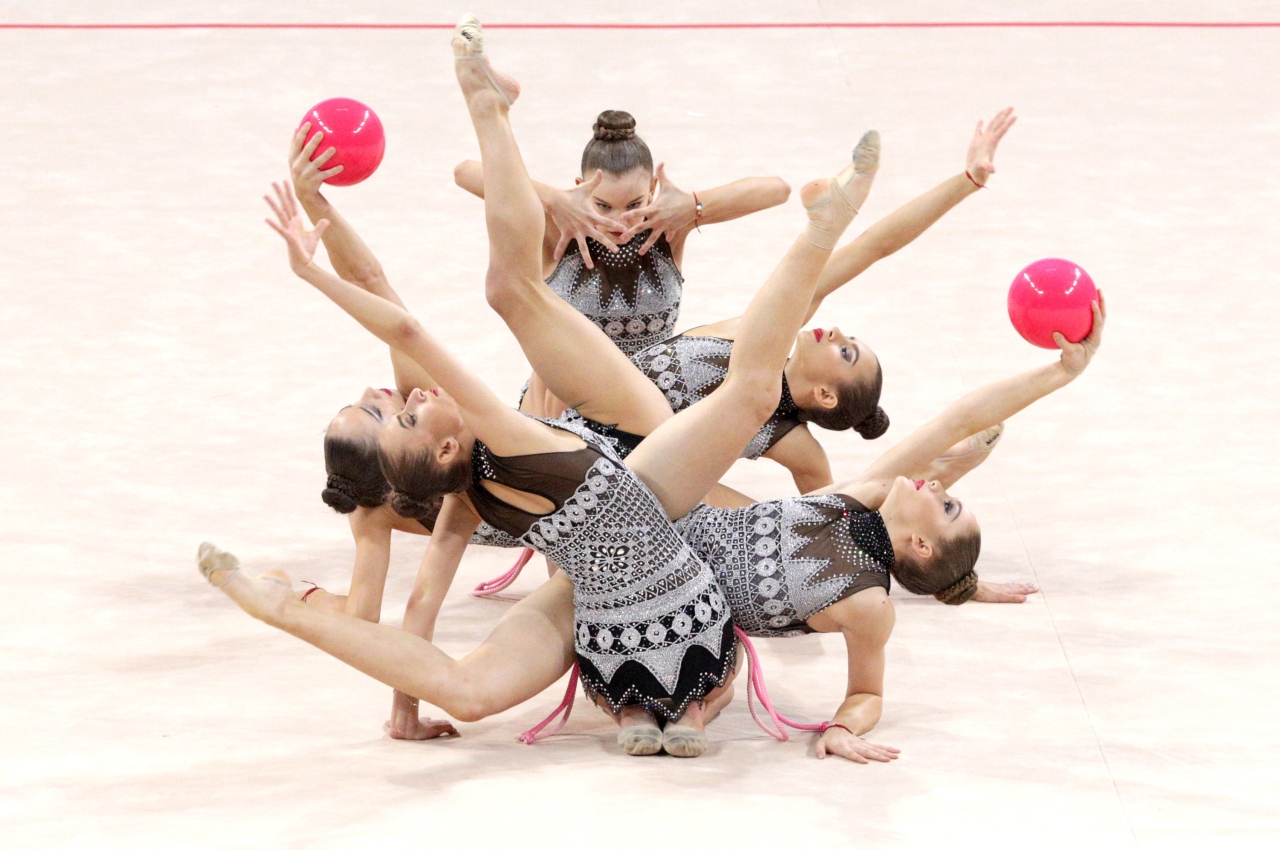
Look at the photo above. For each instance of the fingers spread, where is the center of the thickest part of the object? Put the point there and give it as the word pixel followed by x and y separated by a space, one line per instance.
pixel 565 238
pixel 325 157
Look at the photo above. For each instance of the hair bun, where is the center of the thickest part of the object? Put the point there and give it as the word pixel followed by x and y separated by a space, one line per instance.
pixel 959 592
pixel 424 511
pixel 614 125
pixel 874 425
pixel 339 494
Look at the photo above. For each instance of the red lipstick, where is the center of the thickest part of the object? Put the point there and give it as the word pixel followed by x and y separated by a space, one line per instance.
pixel 919 483
pixel 817 334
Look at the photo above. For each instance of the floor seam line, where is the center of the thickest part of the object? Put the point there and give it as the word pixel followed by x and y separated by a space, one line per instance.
pixel 1053 623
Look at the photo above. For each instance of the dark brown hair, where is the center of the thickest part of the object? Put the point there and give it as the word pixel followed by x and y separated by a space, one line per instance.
pixel 355 478
pixel 419 484
pixel 857 407
pixel 614 147
pixel 948 574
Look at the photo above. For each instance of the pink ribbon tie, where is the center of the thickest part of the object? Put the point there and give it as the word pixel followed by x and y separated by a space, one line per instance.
pixel 566 705
pixel 502 582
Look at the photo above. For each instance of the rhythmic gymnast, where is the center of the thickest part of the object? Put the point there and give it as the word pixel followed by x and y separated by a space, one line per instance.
pixel 916 531
pixel 835 382
pixel 560 484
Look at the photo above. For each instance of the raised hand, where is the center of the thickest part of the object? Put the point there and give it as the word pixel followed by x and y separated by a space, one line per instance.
pixel 837 742
pixel 571 212
pixel 982 148
pixel 291 227
pixel 672 211
pixel 1076 355
pixel 307 173
pixel 1008 592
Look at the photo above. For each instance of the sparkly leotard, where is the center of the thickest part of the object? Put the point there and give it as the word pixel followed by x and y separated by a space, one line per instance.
pixel 634 299
pixel 689 368
pixel 651 623
pixel 782 561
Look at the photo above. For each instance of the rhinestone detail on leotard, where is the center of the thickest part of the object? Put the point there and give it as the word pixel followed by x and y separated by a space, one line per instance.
pixel 634 299
pixel 689 368
pixel 782 561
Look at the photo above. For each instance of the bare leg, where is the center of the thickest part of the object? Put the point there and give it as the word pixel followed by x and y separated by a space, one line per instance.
pixel 692 451
pixel 574 358
pixel 529 649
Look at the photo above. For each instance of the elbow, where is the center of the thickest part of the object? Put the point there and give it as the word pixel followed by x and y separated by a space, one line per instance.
pixel 460 173
pixel 405 332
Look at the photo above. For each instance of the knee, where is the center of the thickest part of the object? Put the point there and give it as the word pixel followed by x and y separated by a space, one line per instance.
pixel 469 700
pixel 504 291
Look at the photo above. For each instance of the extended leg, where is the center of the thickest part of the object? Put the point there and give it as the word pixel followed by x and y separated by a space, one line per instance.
pixel 529 649
pixel 691 451
pixel 574 358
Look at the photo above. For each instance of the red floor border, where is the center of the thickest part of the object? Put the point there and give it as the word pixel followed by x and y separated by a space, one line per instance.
pixel 670 26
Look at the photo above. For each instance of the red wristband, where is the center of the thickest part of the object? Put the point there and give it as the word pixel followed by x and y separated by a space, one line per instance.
pixel 974 182
pixel 826 726
pixel 697 212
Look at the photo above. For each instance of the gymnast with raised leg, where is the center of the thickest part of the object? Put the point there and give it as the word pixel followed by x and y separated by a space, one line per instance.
pixel 831 380
pixel 653 636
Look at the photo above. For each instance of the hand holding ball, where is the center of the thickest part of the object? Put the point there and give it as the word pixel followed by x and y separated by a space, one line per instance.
pixel 354 131
pixel 1052 295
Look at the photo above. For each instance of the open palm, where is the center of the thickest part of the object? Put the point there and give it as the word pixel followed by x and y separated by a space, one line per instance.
pixel 302 241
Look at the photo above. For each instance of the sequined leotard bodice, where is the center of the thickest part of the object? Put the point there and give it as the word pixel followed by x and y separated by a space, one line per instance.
pixel 651 623
pixel 634 299
pixel 780 562
pixel 689 368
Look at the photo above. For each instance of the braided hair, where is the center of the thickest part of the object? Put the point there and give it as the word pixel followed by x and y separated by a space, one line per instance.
pixel 614 147
pixel 355 478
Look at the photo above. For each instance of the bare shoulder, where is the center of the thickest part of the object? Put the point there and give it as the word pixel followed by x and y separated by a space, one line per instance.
pixel 866 617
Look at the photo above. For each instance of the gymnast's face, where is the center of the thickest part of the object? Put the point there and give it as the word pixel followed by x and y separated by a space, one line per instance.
pixel 929 513
pixel 367 416
pixel 823 360
pixel 618 194
pixel 430 420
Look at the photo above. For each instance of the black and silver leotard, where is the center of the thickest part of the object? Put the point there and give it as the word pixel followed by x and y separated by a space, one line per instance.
pixel 651 623
pixel 782 561
pixel 689 368
pixel 634 299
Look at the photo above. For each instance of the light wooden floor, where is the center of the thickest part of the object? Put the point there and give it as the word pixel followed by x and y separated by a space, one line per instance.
pixel 168 380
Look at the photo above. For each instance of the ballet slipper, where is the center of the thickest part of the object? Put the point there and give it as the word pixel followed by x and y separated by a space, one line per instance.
pixel 211 559
pixel 468 46
pixel 831 212
pixel 640 740
pixel 684 742
pixel 264 596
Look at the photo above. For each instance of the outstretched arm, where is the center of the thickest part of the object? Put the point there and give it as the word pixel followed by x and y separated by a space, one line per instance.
pixel 352 260
pixel 483 411
pixel 902 226
pixel 987 406
pixel 674 212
